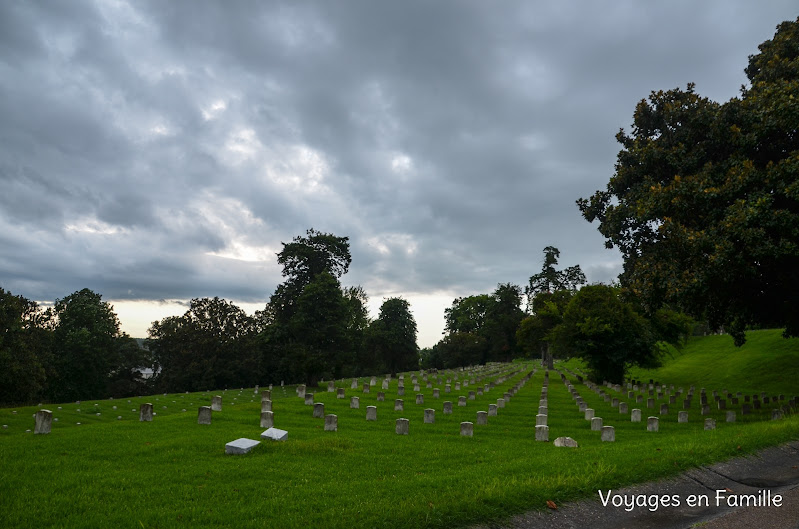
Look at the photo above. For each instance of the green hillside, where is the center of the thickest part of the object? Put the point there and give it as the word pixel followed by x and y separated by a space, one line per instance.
pixel 766 362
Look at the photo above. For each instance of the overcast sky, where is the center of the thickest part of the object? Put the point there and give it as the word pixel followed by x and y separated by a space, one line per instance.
pixel 161 151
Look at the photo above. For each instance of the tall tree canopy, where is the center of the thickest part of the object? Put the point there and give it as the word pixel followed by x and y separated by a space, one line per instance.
pixel 480 328
pixel 392 336
pixel 550 279
pixel 210 346
pixel 606 332
pixel 548 292
pixel 534 334
pixel 704 203
pixel 467 314
pixel 24 349
pixel 303 259
pixel 85 347
pixel 318 330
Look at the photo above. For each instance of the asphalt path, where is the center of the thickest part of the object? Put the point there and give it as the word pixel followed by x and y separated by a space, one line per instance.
pixel 727 487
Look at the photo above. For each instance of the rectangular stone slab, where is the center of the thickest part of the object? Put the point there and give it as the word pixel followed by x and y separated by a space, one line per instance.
pixel 241 446
pixel 275 434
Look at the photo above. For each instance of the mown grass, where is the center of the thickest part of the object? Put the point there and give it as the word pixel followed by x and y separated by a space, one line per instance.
pixel 766 362
pixel 174 473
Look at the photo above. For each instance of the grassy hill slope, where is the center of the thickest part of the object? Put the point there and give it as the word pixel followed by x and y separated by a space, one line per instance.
pixel 766 362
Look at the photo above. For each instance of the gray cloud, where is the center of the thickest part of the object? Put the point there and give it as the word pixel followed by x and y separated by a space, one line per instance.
pixel 156 150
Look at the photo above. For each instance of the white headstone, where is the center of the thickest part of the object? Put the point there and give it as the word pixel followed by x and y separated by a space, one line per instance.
pixel 275 434
pixel 567 442
pixel 241 446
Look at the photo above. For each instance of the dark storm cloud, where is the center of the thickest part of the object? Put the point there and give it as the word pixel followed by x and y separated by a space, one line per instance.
pixel 163 150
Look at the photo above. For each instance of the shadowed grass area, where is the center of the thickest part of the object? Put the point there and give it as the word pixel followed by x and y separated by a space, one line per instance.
pixel 174 473
pixel 766 362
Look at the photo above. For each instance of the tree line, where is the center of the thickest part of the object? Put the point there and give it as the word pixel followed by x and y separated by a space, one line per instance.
pixel 311 329
pixel 600 323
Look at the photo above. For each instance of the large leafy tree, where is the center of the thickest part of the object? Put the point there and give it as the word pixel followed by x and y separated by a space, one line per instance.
pixel 392 336
pixel 24 349
pixel 84 344
pixel 319 338
pixel 547 292
pixel 467 314
pixel 303 259
pixel 309 300
pixel 212 345
pixel 550 279
pixel 482 328
pixel 361 362
pixel 455 350
pixel 606 332
pixel 503 318
pixel 534 334
pixel 704 202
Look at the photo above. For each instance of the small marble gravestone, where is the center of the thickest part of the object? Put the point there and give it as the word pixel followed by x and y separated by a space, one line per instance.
pixel 492 409
pixel 331 423
pixel 567 442
pixel 461 401
pixel 682 416
pixel 309 399
pixel 429 416
pixel 482 417
pixel 241 446
pixel 44 419
pixel 204 415
pixel 355 403
pixel 542 432
pixel 402 427
pixel 608 434
pixel 467 429
pixel 216 403
pixel 371 413
pixel 540 420
pixel 275 434
pixel 146 412
pixel 420 398
pixel 399 405
pixel 710 424
pixel 318 410
pixel 635 415
pixel 652 424
pixel 340 393
pixel 266 405
pixel 267 419
pixel 447 407
pixel 596 424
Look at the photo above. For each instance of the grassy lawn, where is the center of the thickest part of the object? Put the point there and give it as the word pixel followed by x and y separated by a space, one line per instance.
pixel 766 362
pixel 174 473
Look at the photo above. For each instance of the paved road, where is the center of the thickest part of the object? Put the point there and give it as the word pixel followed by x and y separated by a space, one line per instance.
pixel 772 472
